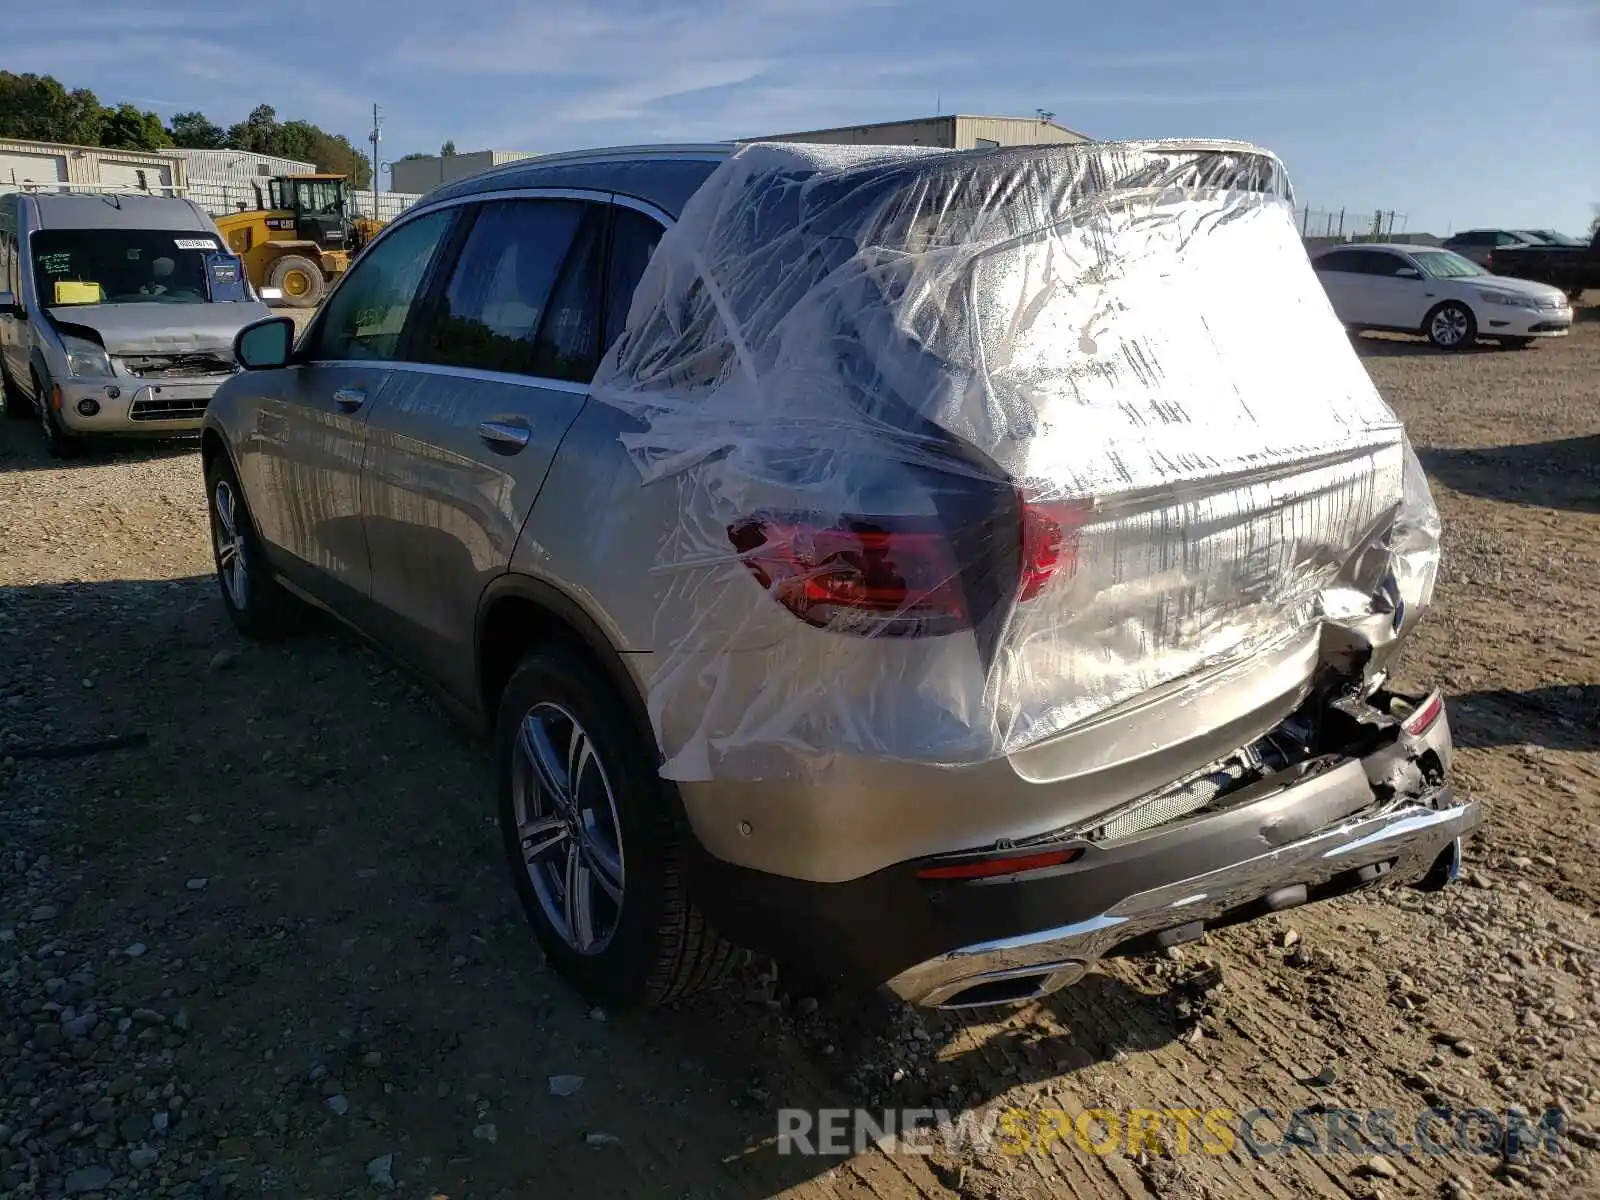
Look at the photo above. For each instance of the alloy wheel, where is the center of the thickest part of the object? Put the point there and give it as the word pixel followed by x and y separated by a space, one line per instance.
pixel 1449 326
pixel 232 563
pixel 567 824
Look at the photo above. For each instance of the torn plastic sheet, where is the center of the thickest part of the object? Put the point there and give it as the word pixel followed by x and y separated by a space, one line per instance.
pixel 968 448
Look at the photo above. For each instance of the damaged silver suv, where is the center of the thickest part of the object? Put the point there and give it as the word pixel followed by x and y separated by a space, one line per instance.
pixel 943 566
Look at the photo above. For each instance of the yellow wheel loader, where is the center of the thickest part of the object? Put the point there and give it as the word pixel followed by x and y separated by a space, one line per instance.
pixel 300 237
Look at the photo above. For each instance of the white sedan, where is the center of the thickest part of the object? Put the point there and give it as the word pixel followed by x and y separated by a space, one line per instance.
pixel 1448 299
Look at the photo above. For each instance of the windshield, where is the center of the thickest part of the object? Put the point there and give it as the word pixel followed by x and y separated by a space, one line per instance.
pixel 318 197
pixel 1445 264
pixel 121 266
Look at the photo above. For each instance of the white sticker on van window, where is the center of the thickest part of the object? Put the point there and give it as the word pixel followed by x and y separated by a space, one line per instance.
pixel 194 243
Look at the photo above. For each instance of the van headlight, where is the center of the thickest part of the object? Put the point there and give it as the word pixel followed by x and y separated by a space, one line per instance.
pixel 86 358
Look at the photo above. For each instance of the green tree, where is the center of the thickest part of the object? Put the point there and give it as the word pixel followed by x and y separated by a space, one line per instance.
pixel 260 132
pixel 126 128
pixel 38 108
pixel 448 149
pixel 195 131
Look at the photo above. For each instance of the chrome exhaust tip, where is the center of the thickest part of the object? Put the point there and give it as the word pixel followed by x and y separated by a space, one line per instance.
pixel 1014 986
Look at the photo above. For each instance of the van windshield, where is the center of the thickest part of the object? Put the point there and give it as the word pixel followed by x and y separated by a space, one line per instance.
pixel 121 266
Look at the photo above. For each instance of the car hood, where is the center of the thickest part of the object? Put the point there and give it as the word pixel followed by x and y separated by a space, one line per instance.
pixel 153 328
pixel 1505 283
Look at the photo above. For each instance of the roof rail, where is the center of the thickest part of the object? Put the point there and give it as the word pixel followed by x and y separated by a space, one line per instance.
pixel 30 185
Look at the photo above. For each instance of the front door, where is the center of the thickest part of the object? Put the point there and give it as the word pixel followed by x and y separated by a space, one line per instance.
pixel 311 417
pixel 1394 288
pixel 501 359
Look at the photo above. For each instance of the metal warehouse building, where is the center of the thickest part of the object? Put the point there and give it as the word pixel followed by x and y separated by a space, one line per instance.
pixel 423 174
pixel 224 181
pixel 952 132
pixel 50 165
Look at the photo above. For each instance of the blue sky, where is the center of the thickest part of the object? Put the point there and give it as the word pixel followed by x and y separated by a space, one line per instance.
pixel 1462 113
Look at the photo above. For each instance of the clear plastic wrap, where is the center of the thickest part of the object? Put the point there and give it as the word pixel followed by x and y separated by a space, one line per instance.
pixel 968 448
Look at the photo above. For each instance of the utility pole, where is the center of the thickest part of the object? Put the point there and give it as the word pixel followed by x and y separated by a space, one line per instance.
pixel 375 137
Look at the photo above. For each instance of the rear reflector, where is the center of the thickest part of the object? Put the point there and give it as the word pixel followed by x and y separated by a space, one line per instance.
pixel 988 868
pixel 1049 543
pixel 1427 713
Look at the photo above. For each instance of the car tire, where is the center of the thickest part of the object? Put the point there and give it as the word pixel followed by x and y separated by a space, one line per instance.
pixel 299 279
pixel 57 440
pixel 1518 343
pixel 257 604
pixel 605 887
pixel 18 407
pixel 1450 326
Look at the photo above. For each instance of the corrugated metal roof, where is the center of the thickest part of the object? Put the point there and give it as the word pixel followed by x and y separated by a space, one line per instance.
pixel 226 166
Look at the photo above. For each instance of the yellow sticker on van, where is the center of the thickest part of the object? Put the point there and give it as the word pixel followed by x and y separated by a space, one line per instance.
pixel 69 291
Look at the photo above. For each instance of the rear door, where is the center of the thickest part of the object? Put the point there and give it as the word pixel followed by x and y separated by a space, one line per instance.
pixel 301 461
pixel 502 358
pixel 1342 278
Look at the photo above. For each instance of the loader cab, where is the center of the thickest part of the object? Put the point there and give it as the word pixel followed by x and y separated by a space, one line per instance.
pixel 319 205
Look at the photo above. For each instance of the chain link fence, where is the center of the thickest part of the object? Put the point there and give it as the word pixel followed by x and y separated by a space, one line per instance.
pixel 1351 224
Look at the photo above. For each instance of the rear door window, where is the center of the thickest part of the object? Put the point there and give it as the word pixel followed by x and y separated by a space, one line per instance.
pixel 1344 262
pixel 524 294
pixel 366 315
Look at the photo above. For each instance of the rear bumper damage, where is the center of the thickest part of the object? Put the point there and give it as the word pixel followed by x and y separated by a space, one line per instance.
pixel 1015 921
pixel 1411 843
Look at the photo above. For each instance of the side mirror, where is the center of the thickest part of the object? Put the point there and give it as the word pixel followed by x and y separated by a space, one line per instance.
pixel 1408 273
pixel 266 345
pixel 9 306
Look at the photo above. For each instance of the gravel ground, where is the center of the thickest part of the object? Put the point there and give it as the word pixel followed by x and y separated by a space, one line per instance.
pixel 264 948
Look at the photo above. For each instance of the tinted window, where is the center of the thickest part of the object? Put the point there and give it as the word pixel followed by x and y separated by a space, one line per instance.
pixel 367 313
pixel 633 241
pixel 1376 262
pixel 524 295
pixel 1346 261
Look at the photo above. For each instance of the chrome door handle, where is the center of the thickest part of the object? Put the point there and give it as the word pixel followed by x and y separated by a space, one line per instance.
pixel 350 398
pixel 504 435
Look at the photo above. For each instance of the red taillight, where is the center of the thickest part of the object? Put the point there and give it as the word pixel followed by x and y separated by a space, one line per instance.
pixel 1419 722
pixel 989 868
pixel 870 576
pixel 1049 543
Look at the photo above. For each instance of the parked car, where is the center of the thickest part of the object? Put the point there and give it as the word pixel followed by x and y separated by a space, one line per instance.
pixel 1478 244
pixel 1552 237
pixel 117 313
pixel 846 569
pixel 1446 298
pixel 1571 265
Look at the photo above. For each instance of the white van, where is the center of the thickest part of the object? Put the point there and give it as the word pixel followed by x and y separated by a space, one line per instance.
pixel 117 313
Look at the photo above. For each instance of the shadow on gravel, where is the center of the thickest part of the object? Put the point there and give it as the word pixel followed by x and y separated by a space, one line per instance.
pixel 1558 717
pixel 1559 474
pixel 1395 347
pixel 22 449
pixel 303 848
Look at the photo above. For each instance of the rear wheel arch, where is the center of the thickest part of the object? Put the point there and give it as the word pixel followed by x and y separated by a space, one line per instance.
pixel 517 614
